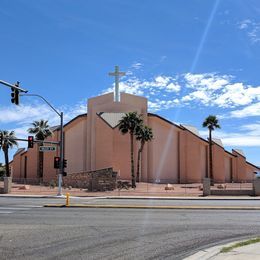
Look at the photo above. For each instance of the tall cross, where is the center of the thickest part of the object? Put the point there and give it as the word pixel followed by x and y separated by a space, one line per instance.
pixel 116 74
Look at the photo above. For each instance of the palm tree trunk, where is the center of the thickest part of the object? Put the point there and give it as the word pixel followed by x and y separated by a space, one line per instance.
pixel 210 159
pixel 138 162
pixel 132 160
pixel 7 170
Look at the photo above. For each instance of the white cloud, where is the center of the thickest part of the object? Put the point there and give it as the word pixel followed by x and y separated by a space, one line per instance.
pixel 207 89
pixel 23 113
pixel 218 90
pixel 241 140
pixel 137 65
pixel 247 135
pixel 22 116
pixel 244 24
pixel 250 110
pixel 207 81
pixel 173 87
pixel 161 81
pixel 252 29
pixel 153 89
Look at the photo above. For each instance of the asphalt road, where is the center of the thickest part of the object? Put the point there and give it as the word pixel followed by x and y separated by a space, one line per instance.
pixel 28 231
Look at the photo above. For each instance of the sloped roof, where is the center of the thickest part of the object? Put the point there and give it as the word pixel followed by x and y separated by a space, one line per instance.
pixel 19 150
pixel 218 141
pixel 192 129
pixel 54 128
pixel 239 151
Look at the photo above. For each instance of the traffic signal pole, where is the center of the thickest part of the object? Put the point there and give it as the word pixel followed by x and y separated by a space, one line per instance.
pixel 60 114
pixel 16 87
pixel 61 155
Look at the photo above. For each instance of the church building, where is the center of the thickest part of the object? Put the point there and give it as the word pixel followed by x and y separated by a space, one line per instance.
pixel 92 141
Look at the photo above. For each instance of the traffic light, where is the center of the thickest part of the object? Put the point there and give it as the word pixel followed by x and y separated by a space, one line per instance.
pixel 65 162
pixel 15 96
pixel 64 174
pixel 1 138
pixel 30 141
pixel 56 162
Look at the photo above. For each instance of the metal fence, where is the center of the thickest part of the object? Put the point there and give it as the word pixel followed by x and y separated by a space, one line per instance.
pixel 37 186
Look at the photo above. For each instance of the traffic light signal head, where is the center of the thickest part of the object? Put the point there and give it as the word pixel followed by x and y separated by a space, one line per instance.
pixel 15 96
pixel 65 163
pixel 56 162
pixel 30 141
pixel 1 138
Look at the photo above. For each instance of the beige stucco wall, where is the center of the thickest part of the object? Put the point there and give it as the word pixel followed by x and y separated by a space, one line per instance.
pixel 228 168
pixel 240 162
pixel 16 166
pixel 192 157
pixel 163 160
pixel 218 154
pixel 250 172
pixel 75 145
pixel 107 147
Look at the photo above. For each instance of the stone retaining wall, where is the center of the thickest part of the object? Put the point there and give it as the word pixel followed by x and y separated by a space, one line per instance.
pixel 99 180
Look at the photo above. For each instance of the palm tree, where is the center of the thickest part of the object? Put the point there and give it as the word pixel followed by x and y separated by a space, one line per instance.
pixel 41 130
pixel 211 122
pixel 128 124
pixel 7 142
pixel 143 134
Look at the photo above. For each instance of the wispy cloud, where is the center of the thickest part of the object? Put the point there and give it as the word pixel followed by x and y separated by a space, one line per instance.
pixel 248 111
pixel 252 29
pixel 155 89
pixel 206 89
pixel 246 135
pixel 137 65
pixel 22 116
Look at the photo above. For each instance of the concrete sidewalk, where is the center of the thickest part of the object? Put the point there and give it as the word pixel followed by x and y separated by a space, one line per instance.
pixel 249 252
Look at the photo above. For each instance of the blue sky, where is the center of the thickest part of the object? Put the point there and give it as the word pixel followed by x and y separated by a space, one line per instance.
pixel 191 58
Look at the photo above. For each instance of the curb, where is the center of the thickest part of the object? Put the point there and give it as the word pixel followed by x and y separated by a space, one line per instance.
pixel 212 252
pixel 30 196
pixel 133 197
pixel 150 207
pixel 184 198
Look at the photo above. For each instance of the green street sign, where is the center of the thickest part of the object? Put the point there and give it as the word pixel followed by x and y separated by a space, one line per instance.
pixel 47 148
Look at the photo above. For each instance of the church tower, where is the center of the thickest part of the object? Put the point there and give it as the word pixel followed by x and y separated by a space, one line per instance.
pixel 106 146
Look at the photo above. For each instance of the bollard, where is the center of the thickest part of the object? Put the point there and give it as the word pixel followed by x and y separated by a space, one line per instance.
pixel 67 199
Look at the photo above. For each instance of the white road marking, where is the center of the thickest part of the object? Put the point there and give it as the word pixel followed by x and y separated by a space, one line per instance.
pixel 9 210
